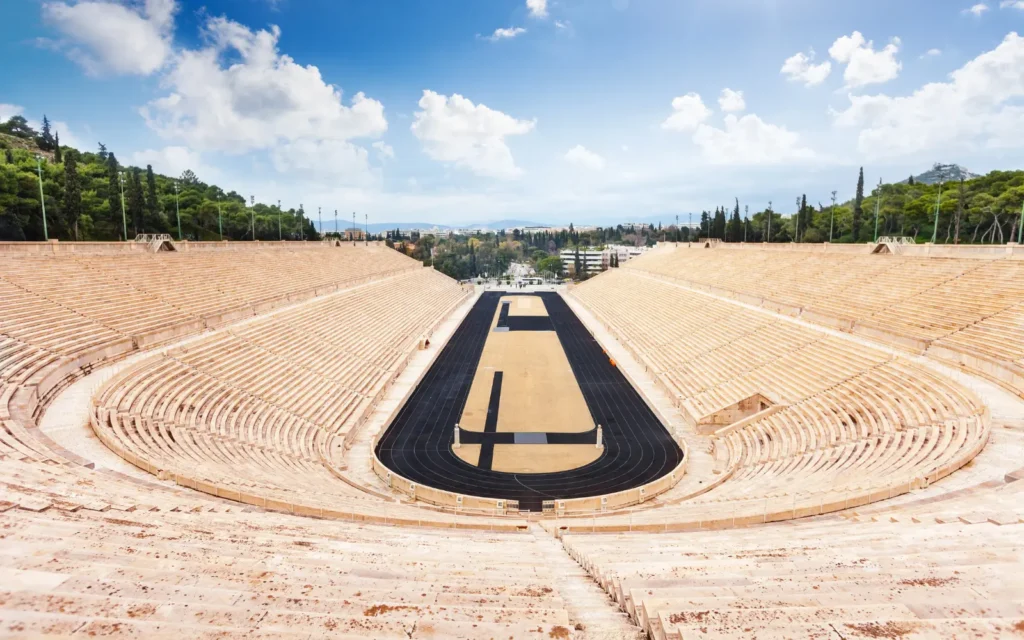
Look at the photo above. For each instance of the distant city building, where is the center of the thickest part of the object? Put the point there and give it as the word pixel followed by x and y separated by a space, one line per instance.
pixel 595 260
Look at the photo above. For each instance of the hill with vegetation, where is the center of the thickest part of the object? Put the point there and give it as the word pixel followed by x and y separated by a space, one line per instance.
pixel 92 196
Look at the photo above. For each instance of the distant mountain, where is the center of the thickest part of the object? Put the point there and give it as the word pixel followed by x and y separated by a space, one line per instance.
pixel 503 224
pixel 380 227
pixel 944 173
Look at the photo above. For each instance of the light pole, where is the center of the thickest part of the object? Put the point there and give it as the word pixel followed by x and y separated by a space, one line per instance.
pixel 336 224
pixel 938 204
pixel 1020 227
pixel 832 222
pixel 320 217
pixel 366 229
pixel 878 206
pixel 124 216
pixel 769 238
pixel 689 228
pixel 177 212
pixel 279 236
pixel 302 234
pixel 677 228
pixel 42 198
pixel 252 215
pixel 353 228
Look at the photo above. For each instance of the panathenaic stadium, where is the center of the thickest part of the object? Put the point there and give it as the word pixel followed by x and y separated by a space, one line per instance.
pixel 321 440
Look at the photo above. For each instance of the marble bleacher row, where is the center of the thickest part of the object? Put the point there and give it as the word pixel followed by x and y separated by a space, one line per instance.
pixel 852 424
pixel 220 572
pixel 254 412
pixel 969 311
pixel 930 575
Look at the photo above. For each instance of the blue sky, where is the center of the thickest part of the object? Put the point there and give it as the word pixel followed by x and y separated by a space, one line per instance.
pixel 455 111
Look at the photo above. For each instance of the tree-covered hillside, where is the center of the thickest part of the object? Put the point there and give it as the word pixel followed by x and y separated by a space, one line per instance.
pixel 83 200
pixel 83 197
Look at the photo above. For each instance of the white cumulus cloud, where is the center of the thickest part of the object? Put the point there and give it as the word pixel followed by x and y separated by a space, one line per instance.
pixel 472 136
pixel 931 53
pixel 864 65
pixel 731 101
pixel 8 111
pixel 240 94
pixel 506 34
pixel 537 8
pixel 800 67
pixel 173 161
pixel 740 141
pixel 112 37
pixel 1012 4
pixel 979 107
pixel 583 157
pixel 384 150
pixel 688 112
pixel 749 140
pixel 978 9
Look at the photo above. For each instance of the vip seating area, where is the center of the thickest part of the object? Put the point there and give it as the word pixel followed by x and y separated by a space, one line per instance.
pixel 844 423
pixel 967 311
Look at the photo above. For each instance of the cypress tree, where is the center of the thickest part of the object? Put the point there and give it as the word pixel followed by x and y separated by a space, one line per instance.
pixel 58 157
pixel 45 141
pixel 152 218
pixel 805 215
pixel 136 200
pixel 114 191
pixel 858 206
pixel 72 204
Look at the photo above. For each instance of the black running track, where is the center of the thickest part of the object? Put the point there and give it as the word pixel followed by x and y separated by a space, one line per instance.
pixel 417 444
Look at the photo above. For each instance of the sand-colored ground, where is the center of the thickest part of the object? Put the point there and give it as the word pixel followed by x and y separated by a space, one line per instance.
pixel 524 306
pixel 543 458
pixel 468 453
pixel 539 392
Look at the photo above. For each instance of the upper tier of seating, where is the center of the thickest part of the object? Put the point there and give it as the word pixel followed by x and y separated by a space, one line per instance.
pixel 963 310
pixel 847 424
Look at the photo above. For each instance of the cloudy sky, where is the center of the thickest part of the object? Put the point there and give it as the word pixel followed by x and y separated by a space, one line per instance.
pixel 454 111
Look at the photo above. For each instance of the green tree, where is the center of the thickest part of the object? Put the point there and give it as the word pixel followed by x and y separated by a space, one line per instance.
pixel 17 126
pixel 114 189
pixel 152 222
pixel 136 201
pixel 57 154
pixel 72 205
pixel 45 140
pixel 858 207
